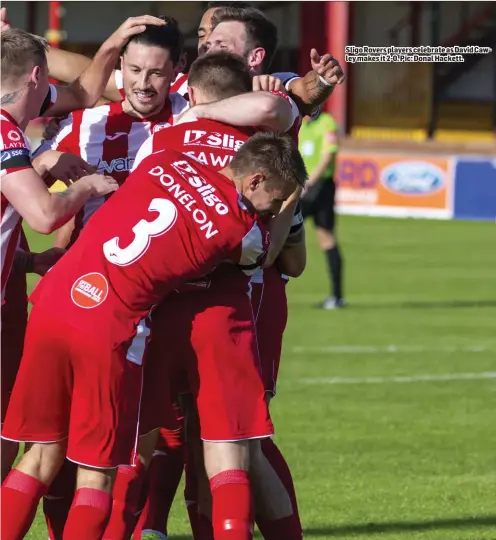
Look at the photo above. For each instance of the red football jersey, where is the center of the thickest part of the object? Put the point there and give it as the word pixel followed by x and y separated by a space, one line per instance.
pixel 210 142
pixel 172 221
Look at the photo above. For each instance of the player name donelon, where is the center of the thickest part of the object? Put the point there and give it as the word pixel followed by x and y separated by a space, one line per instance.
pixel 188 201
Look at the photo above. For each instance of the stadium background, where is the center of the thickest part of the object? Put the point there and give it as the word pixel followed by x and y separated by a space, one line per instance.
pixel 385 410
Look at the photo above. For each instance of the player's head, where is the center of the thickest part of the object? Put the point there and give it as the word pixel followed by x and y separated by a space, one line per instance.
pixel 247 32
pixel 217 76
pixel 267 169
pixel 24 70
pixel 205 27
pixel 149 64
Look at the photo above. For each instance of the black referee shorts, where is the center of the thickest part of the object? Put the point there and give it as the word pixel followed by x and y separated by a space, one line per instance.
pixel 318 203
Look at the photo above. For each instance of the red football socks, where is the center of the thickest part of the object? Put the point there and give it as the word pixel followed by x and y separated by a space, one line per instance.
pixel 164 475
pixel 89 515
pixel 21 494
pixel 232 505
pixel 126 494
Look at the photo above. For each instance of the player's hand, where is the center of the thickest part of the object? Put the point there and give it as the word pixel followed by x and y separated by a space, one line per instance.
pixel 131 27
pixel 65 167
pixel 101 184
pixel 4 22
pixel 52 128
pixel 42 262
pixel 267 83
pixel 327 67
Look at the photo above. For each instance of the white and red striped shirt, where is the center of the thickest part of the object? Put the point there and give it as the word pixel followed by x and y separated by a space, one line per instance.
pixel 109 139
pixel 180 85
pixel 15 155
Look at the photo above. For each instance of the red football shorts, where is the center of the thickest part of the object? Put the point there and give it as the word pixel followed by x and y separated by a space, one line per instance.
pixel 270 308
pixel 211 333
pixel 71 385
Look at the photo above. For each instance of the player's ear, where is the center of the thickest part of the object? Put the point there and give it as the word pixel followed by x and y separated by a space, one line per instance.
pixel 255 181
pixel 35 75
pixel 121 61
pixel 256 57
pixel 191 95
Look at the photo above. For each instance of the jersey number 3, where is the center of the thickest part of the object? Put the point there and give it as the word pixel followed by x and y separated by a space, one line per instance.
pixel 143 231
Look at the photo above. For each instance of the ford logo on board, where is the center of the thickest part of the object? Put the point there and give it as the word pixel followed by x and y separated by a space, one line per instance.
pixel 412 178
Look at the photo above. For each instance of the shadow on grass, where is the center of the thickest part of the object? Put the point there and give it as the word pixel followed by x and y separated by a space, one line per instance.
pixel 402 526
pixel 457 304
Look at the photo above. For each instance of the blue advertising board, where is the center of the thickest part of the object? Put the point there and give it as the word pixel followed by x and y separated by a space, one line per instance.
pixel 475 189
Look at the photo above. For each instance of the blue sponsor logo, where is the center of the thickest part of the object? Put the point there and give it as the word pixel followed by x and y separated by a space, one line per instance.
pixel 412 178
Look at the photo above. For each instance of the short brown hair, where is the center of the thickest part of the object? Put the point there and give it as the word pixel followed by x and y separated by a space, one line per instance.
pixel 275 154
pixel 21 51
pixel 260 32
pixel 220 75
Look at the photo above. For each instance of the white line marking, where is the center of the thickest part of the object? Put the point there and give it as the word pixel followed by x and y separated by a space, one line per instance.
pixel 373 349
pixel 412 379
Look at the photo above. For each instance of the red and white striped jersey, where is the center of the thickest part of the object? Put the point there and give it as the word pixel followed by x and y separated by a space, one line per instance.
pixel 15 155
pixel 179 86
pixel 109 139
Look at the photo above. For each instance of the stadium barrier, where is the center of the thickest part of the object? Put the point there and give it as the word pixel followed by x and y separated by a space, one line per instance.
pixel 416 186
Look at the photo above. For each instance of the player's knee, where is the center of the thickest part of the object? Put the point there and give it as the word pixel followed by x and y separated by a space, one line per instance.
pixel 43 460
pixel 146 447
pixel 226 456
pixel 101 479
pixel 326 239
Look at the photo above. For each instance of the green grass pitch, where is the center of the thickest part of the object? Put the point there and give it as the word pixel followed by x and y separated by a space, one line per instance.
pixel 386 411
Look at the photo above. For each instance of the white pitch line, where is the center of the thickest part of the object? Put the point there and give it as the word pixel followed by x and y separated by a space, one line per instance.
pixel 391 349
pixel 394 380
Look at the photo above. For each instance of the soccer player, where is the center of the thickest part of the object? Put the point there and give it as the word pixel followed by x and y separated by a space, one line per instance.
pixel 245 32
pixel 319 145
pixel 86 310
pixel 26 94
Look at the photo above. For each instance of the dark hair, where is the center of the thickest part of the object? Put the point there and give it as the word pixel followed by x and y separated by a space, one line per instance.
pixel 275 154
pixel 212 5
pixel 167 37
pixel 21 51
pixel 260 32
pixel 220 75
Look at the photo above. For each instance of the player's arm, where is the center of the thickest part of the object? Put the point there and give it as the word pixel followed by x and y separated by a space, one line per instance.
pixel 85 91
pixel 66 67
pixel 271 110
pixel 312 90
pixel 292 259
pixel 52 165
pixel 280 227
pixel 63 235
pixel 44 211
pixel 36 263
